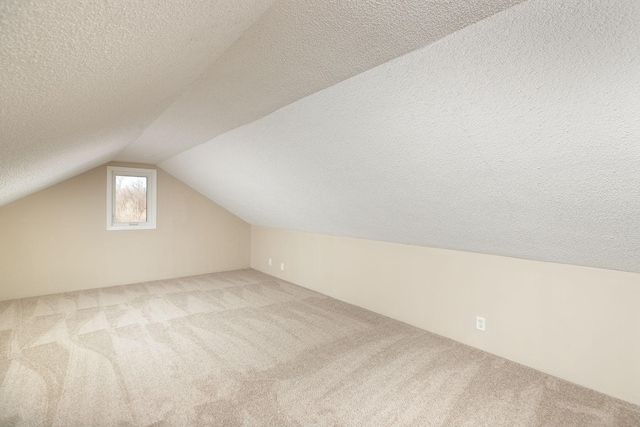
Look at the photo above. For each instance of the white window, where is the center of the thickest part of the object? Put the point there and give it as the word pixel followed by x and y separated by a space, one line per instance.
pixel 131 198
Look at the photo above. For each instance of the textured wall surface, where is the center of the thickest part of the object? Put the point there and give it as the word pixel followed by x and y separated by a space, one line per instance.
pixel 79 81
pixel 514 136
pixel 57 241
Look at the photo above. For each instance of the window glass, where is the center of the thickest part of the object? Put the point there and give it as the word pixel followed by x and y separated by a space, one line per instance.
pixel 130 198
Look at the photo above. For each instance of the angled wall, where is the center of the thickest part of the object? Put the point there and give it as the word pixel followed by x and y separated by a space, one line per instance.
pixel 56 240
pixel 578 323
pixel 515 136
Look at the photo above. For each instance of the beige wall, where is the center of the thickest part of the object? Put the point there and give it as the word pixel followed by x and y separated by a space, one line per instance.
pixel 56 240
pixel 578 323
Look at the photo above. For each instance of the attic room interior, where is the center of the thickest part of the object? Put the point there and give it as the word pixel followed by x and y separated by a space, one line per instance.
pixel 320 213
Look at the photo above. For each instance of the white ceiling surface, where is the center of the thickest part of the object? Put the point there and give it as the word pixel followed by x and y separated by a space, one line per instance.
pixel 519 136
pixel 79 81
pixel 296 48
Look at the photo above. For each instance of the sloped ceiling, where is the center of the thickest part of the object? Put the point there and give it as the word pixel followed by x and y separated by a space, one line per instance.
pixel 517 135
pixel 81 80
pixel 297 48
pixel 83 83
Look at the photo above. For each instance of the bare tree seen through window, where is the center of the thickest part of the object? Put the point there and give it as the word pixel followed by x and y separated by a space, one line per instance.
pixel 130 199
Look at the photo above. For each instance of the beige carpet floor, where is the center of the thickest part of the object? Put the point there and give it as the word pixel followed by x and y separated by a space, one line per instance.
pixel 245 349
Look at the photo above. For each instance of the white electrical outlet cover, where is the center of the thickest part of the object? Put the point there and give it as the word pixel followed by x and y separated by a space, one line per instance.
pixel 480 323
pixel 270 262
pixel 282 266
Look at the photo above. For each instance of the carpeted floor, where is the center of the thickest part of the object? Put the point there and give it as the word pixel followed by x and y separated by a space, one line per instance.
pixel 245 349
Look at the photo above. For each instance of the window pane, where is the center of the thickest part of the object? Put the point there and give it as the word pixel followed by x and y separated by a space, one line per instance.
pixel 130 199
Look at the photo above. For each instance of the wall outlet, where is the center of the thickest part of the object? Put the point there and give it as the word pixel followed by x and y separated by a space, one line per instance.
pixel 480 323
pixel 282 266
pixel 270 261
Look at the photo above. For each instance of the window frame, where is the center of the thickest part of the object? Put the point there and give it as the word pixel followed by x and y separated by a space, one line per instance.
pixel 151 175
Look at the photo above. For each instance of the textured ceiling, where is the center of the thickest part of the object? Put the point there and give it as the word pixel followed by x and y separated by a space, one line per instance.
pixel 81 80
pixel 297 48
pixel 83 83
pixel 519 135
